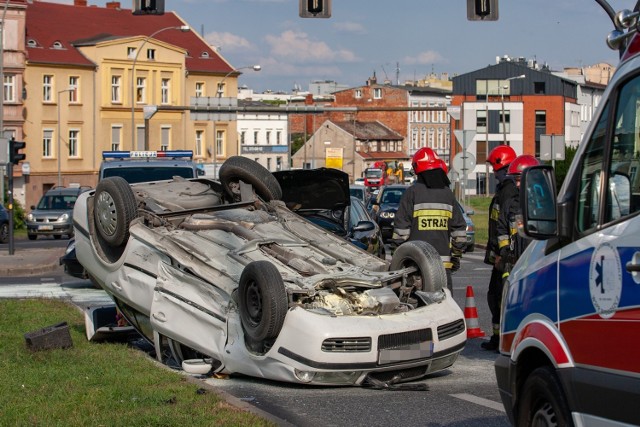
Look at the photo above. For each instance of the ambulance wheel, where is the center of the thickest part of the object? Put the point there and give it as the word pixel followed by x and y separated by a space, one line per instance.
pixel 425 258
pixel 542 401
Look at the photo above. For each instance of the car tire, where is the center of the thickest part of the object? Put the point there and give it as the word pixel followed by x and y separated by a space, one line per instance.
pixel 470 248
pixel 420 254
pixel 542 400
pixel 238 168
pixel 262 301
pixel 32 236
pixel 114 209
pixel 4 233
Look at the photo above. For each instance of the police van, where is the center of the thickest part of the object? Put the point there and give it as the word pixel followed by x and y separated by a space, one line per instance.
pixel 142 166
pixel 570 326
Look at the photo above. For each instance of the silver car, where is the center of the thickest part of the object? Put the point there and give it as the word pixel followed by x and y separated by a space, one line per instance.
pixel 225 278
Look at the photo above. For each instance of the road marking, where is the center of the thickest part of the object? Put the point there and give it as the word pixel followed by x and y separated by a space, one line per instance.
pixel 479 401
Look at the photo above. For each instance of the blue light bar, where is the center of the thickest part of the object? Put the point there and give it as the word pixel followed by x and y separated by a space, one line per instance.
pixel 174 154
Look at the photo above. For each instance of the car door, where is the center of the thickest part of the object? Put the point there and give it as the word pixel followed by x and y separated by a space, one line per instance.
pixel 599 272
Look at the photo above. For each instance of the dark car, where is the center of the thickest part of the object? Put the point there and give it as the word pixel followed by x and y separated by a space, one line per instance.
pixel 384 207
pixel 52 216
pixel 471 231
pixel 4 225
pixel 322 197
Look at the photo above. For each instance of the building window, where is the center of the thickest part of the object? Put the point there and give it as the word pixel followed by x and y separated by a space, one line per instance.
pixel 116 137
pixel 199 89
pixel 131 52
pixel 151 54
pixel 431 143
pixel 141 84
pixel 47 140
pixel 541 120
pixel 74 136
pixel 278 137
pixel 268 137
pixel 74 82
pixel 278 163
pixel 199 143
pixel 269 163
pixel 505 122
pixel 164 91
pixel 243 137
pixel 440 138
pixel 377 93
pixel 481 152
pixel 219 143
pixel 358 93
pixel 115 89
pixel 481 121
pixel 9 90
pixel 255 137
pixel 47 88
pixel 539 88
pixel 165 138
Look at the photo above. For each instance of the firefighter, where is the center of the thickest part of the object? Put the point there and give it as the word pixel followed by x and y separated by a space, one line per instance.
pixel 500 158
pixel 428 212
pixel 511 243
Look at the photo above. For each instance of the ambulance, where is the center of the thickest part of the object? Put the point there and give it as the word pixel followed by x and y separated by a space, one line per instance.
pixel 570 326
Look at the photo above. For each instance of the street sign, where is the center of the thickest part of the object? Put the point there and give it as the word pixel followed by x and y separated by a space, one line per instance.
pixel 217 102
pixel 464 137
pixel 464 162
pixel 552 147
pixel 4 150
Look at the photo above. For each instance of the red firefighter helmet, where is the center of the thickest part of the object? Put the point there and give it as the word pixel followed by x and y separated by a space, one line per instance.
pixel 501 156
pixel 426 159
pixel 521 163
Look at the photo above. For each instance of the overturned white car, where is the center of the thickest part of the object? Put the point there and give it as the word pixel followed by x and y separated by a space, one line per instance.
pixel 229 279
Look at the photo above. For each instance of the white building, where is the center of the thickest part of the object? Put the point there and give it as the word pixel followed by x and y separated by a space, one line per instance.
pixel 263 137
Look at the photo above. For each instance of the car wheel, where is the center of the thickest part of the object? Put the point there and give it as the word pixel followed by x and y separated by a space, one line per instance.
pixel 4 233
pixel 32 236
pixel 425 258
pixel 470 248
pixel 262 301
pixel 114 209
pixel 542 402
pixel 238 168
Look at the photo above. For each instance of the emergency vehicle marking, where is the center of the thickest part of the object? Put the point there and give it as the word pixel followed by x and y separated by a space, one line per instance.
pixel 605 280
pixel 433 216
pixel 547 336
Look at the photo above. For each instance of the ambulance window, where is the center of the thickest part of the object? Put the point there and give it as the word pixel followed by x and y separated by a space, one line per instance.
pixel 623 186
pixel 591 165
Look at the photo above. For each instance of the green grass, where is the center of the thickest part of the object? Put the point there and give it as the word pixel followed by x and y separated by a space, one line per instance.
pixel 480 205
pixel 94 384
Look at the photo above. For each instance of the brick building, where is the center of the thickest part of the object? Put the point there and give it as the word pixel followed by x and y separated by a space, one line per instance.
pixel 511 103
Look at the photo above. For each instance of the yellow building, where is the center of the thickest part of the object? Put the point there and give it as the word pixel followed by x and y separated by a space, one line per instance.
pixel 89 88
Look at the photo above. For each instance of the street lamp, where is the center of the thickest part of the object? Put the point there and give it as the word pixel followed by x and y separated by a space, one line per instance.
pixel 221 84
pixel 69 89
pixel 184 29
pixel 502 89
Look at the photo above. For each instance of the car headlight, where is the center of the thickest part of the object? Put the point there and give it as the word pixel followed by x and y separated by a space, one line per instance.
pixel 30 217
pixel 387 215
pixel 64 217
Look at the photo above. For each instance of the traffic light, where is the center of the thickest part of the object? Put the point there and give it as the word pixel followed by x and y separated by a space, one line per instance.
pixel 482 10
pixel 15 156
pixel 315 8
pixel 148 7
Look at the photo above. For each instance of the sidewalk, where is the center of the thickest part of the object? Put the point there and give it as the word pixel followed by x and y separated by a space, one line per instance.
pixel 29 262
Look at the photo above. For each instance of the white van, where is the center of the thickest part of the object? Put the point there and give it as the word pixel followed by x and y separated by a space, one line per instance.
pixel 570 326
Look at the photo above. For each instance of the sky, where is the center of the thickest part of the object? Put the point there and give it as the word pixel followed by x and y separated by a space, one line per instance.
pixel 416 37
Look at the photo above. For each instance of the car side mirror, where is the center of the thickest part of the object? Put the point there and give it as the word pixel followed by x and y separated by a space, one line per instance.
pixel 539 218
pixel 364 226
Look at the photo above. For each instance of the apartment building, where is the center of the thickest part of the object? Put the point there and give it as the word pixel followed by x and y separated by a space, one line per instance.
pixel 515 104
pixel 89 87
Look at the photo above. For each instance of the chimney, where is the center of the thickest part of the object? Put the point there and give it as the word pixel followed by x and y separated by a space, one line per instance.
pixel 81 3
pixel 111 4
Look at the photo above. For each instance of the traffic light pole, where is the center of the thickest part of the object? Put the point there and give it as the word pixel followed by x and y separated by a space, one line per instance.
pixel 10 210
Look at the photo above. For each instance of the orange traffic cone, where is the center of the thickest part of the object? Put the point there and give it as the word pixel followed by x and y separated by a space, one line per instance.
pixel 471 316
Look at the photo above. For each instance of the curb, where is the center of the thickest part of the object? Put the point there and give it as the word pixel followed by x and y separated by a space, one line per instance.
pixel 30 263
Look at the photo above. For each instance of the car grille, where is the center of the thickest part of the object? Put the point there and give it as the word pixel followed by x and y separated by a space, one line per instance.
pixel 450 329
pixel 403 339
pixel 404 374
pixel 347 345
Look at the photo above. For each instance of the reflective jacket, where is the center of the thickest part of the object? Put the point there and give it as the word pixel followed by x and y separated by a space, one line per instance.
pixel 510 243
pixel 432 215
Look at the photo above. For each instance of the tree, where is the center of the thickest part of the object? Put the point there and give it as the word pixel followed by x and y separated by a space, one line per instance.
pixel 562 166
